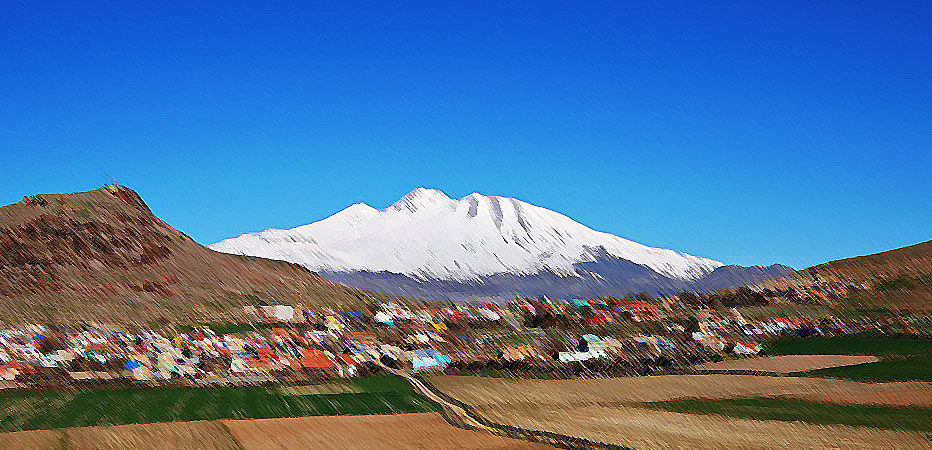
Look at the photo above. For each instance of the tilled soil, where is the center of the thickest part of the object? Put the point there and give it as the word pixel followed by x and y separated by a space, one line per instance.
pixel 901 397
pixel 601 410
pixel 199 435
pixel 31 439
pixel 789 363
pixel 402 431
pixel 480 391
pixel 644 428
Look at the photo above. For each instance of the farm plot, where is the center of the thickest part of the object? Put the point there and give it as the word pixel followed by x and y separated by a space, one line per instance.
pixel 902 397
pixel 791 410
pixel 614 411
pixel 319 389
pixel 902 359
pixel 479 391
pixel 167 436
pixel 38 410
pixel 32 439
pixel 644 428
pixel 789 363
pixel 405 431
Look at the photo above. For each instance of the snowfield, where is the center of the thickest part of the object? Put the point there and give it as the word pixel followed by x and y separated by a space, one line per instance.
pixel 427 235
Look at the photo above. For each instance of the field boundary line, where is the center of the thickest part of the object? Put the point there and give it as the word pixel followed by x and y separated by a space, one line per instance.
pixel 538 436
pixel 229 432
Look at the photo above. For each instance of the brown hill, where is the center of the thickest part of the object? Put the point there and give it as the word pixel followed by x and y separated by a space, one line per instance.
pixel 901 277
pixel 914 260
pixel 910 262
pixel 102 255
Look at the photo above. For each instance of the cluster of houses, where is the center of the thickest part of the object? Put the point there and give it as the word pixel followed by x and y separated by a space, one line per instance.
pixel 284 342
pixel 201 356
pixel 588 311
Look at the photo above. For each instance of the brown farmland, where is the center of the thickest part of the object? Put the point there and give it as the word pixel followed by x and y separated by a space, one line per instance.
pixel 406 431
pixel 201 435
pixel 602 410
pixel 402 431
pixel 559 393
pixel 643 428
pixel 900 397
pixel 789 363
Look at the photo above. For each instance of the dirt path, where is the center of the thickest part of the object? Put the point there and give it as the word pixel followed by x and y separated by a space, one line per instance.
pixel 461 413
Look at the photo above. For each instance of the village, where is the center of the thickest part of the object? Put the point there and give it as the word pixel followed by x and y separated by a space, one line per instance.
pixel 525 337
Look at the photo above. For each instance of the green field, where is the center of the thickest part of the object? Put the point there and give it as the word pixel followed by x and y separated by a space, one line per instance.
pixel 36 410
pixel 858 344
pixel 902 359
pixel 912 419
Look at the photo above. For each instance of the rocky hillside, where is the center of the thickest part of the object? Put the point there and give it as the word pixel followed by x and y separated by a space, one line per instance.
pixel 103 255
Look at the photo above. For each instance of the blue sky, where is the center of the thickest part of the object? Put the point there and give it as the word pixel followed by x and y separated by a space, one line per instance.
pixel 749 133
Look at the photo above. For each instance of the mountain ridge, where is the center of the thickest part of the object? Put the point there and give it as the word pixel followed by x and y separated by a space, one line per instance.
pixel 433 245
pixel 490 234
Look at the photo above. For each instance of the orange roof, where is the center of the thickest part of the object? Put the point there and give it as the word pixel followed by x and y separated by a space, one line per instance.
pixel 348 359
pixel 262 363
pixel 360 336
pixel 10 365
pixel 316 359
pixel 266 353
pixel 98 347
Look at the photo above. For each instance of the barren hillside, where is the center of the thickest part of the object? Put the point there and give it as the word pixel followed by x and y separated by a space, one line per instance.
pixel 102 255
pixel 901 277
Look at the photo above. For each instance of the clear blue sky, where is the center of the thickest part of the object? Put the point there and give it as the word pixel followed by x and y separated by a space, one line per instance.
pixel 792 132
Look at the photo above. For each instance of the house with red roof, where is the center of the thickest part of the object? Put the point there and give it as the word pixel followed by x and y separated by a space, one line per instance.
pixel 317 361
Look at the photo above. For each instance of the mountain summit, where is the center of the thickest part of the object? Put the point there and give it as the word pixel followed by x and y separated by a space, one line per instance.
pixel 427 235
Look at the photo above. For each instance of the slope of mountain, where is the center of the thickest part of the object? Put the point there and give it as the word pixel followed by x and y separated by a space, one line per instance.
pixel 914 261
pixel 903 274
pixel 104 255
pixel 621 278
pixel 899 278
pixel 430 245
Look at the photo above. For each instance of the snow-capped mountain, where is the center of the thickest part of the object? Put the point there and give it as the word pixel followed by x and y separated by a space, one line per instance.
pixel 429 236
pixel 428 245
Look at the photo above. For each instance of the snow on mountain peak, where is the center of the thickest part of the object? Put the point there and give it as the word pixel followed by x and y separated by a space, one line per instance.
pixel 426 234
pixel 421 198
pixel 359 210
